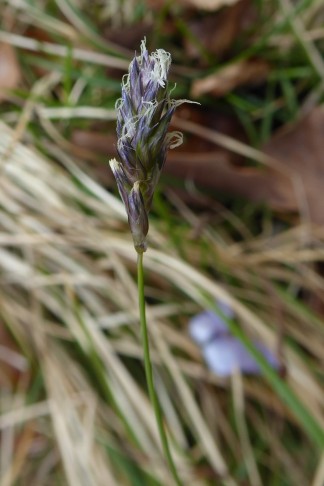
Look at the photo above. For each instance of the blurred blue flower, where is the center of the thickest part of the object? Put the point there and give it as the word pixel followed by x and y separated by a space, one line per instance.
pixel 224 353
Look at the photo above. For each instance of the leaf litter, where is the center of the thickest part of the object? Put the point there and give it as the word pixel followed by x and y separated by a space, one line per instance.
pixel 10 73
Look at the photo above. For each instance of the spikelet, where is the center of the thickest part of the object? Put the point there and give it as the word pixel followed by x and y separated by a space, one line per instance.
pixel 143 116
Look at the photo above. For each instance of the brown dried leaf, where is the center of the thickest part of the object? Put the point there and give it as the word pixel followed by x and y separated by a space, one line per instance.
pixel 96 142
pixel 12 364
pixel 300 148
pixel 216 32
pixel 128 37
pixel 10 74
pixel 89 145
pixel 215 170
pixel 230 77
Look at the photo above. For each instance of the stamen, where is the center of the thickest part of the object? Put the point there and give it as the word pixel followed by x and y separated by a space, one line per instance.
pixel 174 139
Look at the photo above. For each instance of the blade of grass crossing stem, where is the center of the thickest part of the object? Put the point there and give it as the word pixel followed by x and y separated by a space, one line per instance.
pixel 314 430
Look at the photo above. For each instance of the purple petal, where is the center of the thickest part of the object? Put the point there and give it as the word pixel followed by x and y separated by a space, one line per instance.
pixel 226 355
pixel 208 325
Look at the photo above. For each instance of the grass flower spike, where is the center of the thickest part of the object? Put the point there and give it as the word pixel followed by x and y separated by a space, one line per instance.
pixel 144 113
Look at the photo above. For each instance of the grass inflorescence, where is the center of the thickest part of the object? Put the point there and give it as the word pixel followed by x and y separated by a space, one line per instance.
pixel 74 407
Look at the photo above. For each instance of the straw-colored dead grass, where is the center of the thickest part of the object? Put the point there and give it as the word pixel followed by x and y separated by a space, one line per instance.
pixel 69 297
pixel 73 405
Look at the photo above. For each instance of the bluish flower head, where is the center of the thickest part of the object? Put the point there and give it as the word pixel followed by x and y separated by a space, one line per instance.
pixel 144 112
pixel 224 353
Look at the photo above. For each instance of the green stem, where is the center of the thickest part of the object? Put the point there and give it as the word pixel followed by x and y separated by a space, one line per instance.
pixel 149 371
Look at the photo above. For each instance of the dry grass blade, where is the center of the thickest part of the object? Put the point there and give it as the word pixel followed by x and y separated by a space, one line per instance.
pixel 62 51
pixel 26 176
pixel 74 407
pixel 238 396
pixel 67 268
